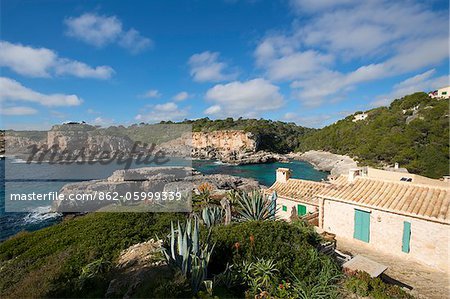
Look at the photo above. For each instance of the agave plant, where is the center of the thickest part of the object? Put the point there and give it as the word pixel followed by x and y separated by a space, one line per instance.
pixel 212 215
pixel 254 206
pixel 183 250
pixel 259 275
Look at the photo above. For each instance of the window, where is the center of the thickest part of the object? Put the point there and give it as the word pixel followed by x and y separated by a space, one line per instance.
pixel 444 93
pixel 284 209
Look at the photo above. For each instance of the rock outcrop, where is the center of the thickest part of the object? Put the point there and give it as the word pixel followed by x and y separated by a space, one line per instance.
pixel 232 147
pixel 19 145
pixel 230 140
pixel 82 140
pixel 325 161
pixel 85 137
pixel 154 179
pixel 137 264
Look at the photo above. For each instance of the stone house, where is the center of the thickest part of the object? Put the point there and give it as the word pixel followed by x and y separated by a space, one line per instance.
pixel 406 219
pixel 442 93
pixel 360 116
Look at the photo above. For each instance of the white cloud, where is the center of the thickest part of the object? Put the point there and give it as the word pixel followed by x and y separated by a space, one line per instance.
pixel 392 37
pixel 318 5
pixel 245 98
pixel 18 111
pixel 181 96
pixel 42 62
pixel 134 41
pixel 160 112
pixel 98 30
pixel 214 109
pixel 422 82
pixel 295 65
pixel 11 90
pixel 206 67
pixel 152 93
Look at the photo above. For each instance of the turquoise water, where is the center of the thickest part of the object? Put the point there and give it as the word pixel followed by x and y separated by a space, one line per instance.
pixel 263 173
pixel 45 177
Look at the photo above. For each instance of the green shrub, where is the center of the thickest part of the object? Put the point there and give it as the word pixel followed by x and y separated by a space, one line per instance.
pixel 69 246
pixel 362 284
pixel 292 247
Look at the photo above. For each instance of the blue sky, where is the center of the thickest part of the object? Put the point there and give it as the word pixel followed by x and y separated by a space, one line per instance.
pixel 307 61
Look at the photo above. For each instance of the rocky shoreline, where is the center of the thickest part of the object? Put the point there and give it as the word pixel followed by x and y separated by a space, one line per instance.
pixel 326 161
pixel 145 180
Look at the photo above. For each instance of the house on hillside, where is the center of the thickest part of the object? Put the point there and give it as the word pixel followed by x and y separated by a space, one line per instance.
pixel 407 219
pixel 360 116
pixel 442 93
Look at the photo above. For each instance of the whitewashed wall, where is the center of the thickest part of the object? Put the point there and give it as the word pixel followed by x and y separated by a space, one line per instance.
pixel 429 242
pixel 290 204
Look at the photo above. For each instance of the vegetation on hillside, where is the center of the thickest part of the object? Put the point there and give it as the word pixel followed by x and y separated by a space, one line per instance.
pixel 413 131
pixel 246 259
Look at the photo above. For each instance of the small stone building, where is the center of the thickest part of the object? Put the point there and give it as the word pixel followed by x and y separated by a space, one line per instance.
pixel 406 219
pixel 295 195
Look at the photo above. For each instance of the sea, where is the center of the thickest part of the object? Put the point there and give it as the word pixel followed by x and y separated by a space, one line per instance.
pixel 43 177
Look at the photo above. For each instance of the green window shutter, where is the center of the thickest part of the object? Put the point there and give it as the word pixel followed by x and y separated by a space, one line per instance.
pixel 284 209
pixel 406 236
pixel 362 226
pixel 301 210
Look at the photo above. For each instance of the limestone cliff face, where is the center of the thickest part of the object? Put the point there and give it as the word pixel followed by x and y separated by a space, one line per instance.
pixel 77 137
pixel 19 144
pixel 233 147
pixel 233 140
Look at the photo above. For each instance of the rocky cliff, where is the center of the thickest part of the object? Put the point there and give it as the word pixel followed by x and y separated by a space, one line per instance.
pixel 231 140
pixel 81 136
pixel 231 146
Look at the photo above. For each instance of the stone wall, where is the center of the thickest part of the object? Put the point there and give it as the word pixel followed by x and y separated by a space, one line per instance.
pixel 428 244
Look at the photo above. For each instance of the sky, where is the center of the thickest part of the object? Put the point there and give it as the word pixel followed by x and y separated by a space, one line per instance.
pixel 311 62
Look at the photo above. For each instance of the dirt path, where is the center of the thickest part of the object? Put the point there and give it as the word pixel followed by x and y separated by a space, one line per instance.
pixel 426 282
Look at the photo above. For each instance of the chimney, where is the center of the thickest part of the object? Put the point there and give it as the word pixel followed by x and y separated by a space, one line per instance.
pixel 353 173
pixel 283 175
pixel 396 166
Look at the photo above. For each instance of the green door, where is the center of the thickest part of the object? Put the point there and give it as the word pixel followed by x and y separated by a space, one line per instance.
pixel 406 236
pixel 362 226
pixel 301 210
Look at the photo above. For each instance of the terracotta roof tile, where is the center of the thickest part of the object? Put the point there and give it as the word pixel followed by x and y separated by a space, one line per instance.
pixel 417 200
pixel 298 190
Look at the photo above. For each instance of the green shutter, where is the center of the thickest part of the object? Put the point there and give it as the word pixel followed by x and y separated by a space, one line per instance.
pixel 362 226
pixel 284 209
pixel 406 236
pixel 301 210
